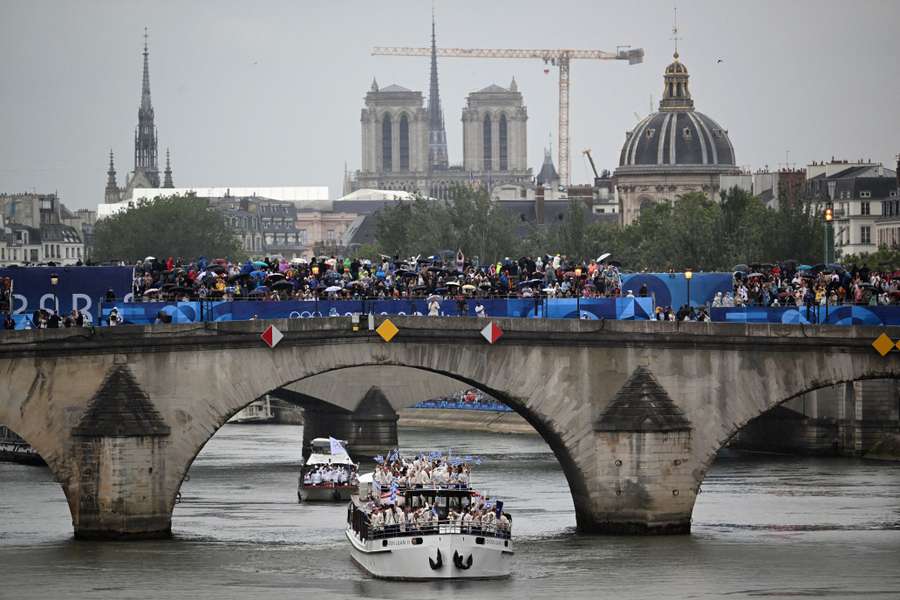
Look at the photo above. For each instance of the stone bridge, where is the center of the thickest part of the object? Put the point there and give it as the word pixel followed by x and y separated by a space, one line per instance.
pixel 634 411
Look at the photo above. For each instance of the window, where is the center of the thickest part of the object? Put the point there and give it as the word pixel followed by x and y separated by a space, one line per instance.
pixel 302 236
pixel 864 208
pixel 865 234
pixel 404 143
pixel 487 143
pixel 686 132
pixel 330 235
pixel 650 133
pixel 504 157
pixel 386 144
pixel 865 194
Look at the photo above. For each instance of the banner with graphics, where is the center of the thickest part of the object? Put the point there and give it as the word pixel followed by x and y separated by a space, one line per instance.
pixel 76 287
pixel 144 313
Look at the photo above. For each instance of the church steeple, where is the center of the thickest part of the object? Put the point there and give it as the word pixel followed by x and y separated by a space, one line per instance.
pixel 145 142
pixel 167 182
pixel 112 188
pixel 437 135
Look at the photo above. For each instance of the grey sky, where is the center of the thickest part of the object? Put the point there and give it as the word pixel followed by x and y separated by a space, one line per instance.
pixel 269 92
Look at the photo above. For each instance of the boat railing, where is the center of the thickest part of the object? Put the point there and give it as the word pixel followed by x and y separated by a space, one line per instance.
pixel 363 526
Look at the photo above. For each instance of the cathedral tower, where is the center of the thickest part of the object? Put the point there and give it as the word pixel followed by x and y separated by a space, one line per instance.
pixel 145 143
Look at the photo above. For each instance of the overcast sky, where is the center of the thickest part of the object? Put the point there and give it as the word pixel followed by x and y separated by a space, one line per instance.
pixel 269 93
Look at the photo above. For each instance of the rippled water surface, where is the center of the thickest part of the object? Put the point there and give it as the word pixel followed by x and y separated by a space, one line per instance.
pixel 764 527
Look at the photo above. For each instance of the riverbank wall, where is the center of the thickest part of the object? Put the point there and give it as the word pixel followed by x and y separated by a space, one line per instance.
pixel 470 420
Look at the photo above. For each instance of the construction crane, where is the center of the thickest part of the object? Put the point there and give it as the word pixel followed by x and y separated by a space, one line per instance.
pixel 587 153
pixel 556 57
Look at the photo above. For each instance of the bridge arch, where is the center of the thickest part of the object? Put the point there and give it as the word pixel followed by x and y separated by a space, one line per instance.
pixel 575 477
pixel 564 375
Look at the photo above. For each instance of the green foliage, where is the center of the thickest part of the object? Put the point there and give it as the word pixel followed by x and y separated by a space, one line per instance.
pixel 469 221
pixel 693 232
pixel 179 226
pixel 883 259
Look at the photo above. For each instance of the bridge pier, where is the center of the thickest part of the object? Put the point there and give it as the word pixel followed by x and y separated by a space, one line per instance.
pixel 645 482
pixel 369 430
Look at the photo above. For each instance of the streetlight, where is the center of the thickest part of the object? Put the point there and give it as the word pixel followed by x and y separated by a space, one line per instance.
pixel 829 235
pixel 688 275
pixel 54 279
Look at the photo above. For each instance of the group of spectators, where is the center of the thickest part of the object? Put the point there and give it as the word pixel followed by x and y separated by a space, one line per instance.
pixel 50 319
pixel 335 277
pixel 791 285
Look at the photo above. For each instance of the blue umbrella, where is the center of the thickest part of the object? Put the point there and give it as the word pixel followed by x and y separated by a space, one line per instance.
pixel 258 274
pixel 804 268
pixel 259 263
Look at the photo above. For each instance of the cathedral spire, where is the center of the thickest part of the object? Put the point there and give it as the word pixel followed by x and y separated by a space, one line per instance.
pixel 167 182
pixel 112 188
pixel 145 87
pixel 145 142
pixel 437 135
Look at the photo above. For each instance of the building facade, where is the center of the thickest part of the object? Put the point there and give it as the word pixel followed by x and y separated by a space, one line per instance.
pixel 672 152
pixel 37 228
pixel 863 196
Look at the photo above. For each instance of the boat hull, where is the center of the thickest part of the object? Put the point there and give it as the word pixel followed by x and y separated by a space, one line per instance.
pixel 325 494
pixel 461 556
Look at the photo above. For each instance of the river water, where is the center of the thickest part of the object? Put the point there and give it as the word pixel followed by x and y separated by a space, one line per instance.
pixel 764 527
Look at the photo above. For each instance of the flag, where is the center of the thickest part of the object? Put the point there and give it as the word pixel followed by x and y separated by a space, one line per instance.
pixel 336 447
pixel 379 459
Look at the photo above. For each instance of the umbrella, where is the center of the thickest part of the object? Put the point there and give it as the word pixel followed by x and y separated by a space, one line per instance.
pixel 468 287
pixel 151 291
pixel 298 261
pixel 742 268
pixel 150 259
pixel 485 285
pixel 333 288
pixel 453 283
pixel 604 256
pixel 258 274
pixel 804 268
pixel 274 277
pixel 259 263
pixel 259 291
pixel 283 285
pixel 548 289
pixel 755 275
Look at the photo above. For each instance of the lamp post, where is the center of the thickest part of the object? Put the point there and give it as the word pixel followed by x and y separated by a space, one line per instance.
pixel 688 275
pixel 829 235
pixel 54 280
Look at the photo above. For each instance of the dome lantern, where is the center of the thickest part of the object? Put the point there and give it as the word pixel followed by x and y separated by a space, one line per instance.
pixel 676 94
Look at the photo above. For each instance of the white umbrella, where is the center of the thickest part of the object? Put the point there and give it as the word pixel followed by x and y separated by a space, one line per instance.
pixel 149 258
pixel 604 256
pixel 333 288
pixel 549 289
pixel 449 283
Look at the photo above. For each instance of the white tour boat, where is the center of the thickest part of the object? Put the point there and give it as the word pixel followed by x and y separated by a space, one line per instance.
pixel 444 547
pixel 257 412
pixel 329 474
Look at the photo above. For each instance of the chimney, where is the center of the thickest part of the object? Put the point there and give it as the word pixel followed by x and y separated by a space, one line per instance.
pixel 539 204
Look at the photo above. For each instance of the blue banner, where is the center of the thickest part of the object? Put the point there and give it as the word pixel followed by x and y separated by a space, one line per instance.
pixel 79 288
pixel 832 315
pixel 671 289
pixel 144 313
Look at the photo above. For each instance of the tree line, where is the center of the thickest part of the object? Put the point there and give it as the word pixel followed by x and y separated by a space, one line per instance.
pixel 692 233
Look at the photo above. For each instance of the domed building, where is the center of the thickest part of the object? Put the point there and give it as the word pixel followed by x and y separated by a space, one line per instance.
pixel 673 151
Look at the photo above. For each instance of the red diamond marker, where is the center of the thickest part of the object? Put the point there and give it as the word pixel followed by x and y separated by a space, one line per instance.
pixel 491 332
pixel 271 336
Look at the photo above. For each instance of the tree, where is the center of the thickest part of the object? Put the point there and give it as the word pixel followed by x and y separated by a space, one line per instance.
pixel 179 226
pixel 883 259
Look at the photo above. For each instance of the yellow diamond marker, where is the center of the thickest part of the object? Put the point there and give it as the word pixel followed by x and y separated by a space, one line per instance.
pixel 883 344
pixel 387 330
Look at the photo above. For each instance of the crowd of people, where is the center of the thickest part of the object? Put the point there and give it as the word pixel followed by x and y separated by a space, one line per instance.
pixel 385 277
pixel 388 511
pixel 791 285
pixel 330 476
